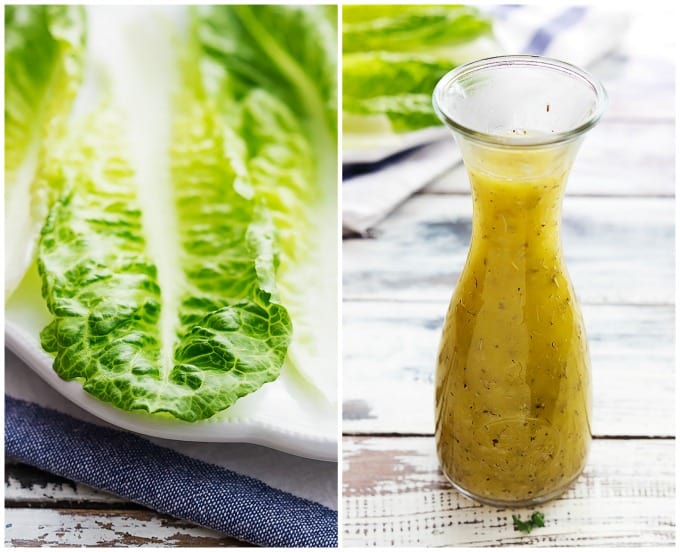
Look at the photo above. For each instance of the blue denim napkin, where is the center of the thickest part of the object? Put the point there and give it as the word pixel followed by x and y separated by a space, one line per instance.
pixel 162 479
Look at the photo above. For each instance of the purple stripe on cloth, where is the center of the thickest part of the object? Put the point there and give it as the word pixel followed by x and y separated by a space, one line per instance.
pixel 132 467
pixel 544 36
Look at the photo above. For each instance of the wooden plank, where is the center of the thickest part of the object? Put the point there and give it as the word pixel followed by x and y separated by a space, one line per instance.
pixel 618 250
pixel 42 509
pixel 640 87
pixel 644 164
pixel 72 527
pixel 29 486
pixel 395 495
pixel 389 352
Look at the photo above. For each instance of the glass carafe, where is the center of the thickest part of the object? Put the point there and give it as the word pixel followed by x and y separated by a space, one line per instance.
pixel 513 376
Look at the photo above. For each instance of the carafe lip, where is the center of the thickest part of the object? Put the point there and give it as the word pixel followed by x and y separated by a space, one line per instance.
pixel 599 94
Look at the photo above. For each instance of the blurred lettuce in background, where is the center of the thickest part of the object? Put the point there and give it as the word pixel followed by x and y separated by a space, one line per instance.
pixel 394 55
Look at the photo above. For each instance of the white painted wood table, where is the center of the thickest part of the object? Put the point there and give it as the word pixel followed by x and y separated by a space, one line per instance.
pixel 618 236
pixel 42 509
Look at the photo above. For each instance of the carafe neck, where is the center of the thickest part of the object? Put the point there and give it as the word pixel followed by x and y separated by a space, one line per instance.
pixel 517 193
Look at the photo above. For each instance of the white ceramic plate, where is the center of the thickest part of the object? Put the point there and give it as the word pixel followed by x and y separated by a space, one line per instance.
pixel 283 415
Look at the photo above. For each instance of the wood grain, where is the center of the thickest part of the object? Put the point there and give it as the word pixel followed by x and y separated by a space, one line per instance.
pixel 74 527
pixel 644 154
pixel 640 88
pixel 389 351
pixel 42 509
pixel 26 486
pixel 618 250
pixel 395 495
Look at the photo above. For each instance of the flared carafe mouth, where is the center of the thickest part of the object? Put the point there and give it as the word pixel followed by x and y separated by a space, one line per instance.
pixel 519 100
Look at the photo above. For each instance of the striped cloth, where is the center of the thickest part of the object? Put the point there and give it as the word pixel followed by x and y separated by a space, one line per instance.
pixel 577 34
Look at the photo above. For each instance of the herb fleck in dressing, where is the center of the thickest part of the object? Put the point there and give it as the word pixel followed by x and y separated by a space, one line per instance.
pixel 512 384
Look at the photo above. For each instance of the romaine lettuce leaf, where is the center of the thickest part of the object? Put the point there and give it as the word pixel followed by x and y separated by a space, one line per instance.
pixel 371 79
pixel 410 28
pixel 393 57
pixel 289 51
pixel 179 265
pixel 405 112
pixel 372 74
pixel 43 65
pixel 280 98
pixel 101 284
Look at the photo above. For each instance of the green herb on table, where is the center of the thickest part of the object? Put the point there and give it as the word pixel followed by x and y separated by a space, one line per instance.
pixel 536 520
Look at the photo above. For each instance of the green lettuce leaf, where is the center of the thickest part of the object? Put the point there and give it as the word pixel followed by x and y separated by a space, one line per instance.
pixel 410 28
pixel 405 112
pixel 282 117
pixel 393 56
pixel 177 262
pixel 43 66
pixel 370 80
pixel 43 47
pixel 289 51
pixel 101 284
pixel 372 74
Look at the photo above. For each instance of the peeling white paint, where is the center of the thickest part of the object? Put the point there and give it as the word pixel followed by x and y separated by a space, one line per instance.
pixel 48 492
pixel 47 527
pixel 626 496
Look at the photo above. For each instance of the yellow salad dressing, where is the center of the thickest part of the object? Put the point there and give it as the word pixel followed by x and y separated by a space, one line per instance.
pixel 512 381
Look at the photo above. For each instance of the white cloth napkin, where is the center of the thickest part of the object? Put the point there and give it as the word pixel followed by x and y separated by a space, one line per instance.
pixel 368 198
pixel 577 34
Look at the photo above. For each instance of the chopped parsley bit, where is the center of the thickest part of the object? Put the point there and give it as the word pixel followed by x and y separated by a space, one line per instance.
pixel 536 520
